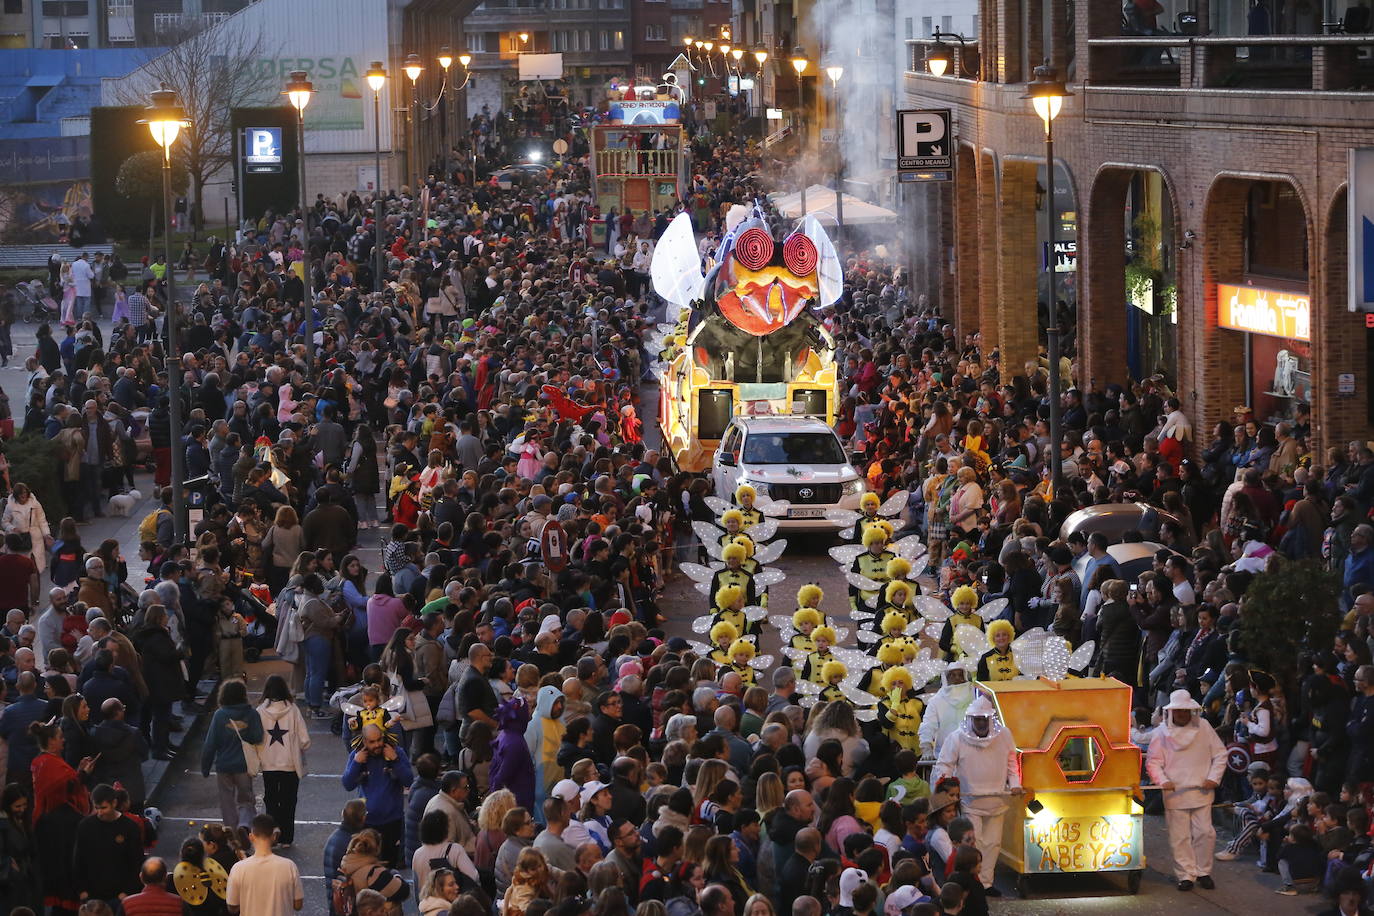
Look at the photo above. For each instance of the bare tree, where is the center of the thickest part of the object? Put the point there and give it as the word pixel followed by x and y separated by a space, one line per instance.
pixel 213 70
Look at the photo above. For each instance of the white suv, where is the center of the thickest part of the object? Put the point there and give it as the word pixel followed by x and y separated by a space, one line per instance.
pixel 797 459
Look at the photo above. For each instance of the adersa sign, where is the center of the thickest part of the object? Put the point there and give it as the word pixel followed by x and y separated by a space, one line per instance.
pixel 1271 312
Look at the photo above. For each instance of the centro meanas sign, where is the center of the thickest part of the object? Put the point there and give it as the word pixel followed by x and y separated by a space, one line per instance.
pixel 1271 312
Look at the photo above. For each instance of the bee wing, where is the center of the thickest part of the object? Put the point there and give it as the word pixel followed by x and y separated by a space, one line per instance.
pixel 841 633
pixel 703 587
pixel 893 504
pixel 769 577
pixel 785 629
pixel 971 639
pixel 717 505
pixel 1057 656
pixel 860 617
pixel 847 532
pixel 773 508
pixel 797 655
pixel 933 629
pixel 924 670
pixel 761 662
pixel 754 613
pixel 1081 657
pixel 867 714
pixel 702 624
pixel 868 636
pixel 862 583
pixel 913 628
pixel 860 698
pixel 933 608
pixel 698 573
pixel 843 517
pixel 845 553
pixel 993 608
pixel 810 688
pixel 769 553
pixel 700 648
pixel 910 547
pixel 764 530
pixel 708 532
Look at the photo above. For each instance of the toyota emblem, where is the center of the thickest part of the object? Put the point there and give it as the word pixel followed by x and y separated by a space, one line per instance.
pixel 806 492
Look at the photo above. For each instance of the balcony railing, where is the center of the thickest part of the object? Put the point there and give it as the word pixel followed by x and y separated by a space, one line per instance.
pixel 646 162
pixel 1253 62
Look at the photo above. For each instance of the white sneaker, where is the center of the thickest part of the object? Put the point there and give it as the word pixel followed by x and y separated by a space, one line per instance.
pixel 1226 856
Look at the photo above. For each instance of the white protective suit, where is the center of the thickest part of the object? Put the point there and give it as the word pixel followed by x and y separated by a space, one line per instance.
pixel 987 770
pixel 943 713
pixel 1187 756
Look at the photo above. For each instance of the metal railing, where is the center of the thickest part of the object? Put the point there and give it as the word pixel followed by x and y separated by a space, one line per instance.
pixel 1243 62
pixel 637 162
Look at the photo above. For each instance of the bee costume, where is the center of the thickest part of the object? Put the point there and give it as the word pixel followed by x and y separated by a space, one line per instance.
pixel 832 673
pixel 723 636
pixel 739 576
pixel 747 674
pixel 744 498
pixel 804 616
pixel 359 717
pixel 901 709
pixel 200 885
pixel 965 611
pixel 998 664
pixel 727 597
pixel 896 595
pixel 894 623
pixel 889 656
pixel 749 565
pixel 868 516
pixel 874 566
pixel 818 660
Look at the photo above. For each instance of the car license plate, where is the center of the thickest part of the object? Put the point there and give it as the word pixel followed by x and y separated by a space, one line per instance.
pixel 806 513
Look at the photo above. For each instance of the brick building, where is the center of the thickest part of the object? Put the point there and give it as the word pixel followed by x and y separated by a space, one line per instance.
pixel 1200 229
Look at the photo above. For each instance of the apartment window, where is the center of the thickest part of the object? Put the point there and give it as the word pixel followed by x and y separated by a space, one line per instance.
pixel 910 28
pixel 586 39
pixel 14 7
pixel 59 8
pixel 166 22
pixel 613 4
pixel 605 41
pixel 618 41
pixel 946 23
pixel 927 26
pixel 654 33
pixel 477 42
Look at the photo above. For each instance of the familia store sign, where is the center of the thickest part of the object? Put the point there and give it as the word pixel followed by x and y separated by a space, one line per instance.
pixel 1272 312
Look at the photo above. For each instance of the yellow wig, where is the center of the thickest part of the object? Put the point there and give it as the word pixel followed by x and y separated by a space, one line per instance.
pixel 965 595
pixel 875 535
pixel 732 515
pixel 898 568
pixel 744 490
pixel 825 633
pixel 725 630
pixel 734 551
pixel 833 671
pixel 896 677
pixel 1000 626
pixel 742 647
pixel 869 500
pixel 729 596
pixel 810 595
pixel 806 615
pixel 893 623
pixel 890 654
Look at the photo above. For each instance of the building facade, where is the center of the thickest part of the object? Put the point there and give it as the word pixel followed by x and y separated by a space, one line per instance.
pixel 1200 207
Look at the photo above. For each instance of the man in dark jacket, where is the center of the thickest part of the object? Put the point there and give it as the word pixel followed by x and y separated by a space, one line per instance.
pixel 107 681
pixel 792 875
pixel 122 751
pixel 626 801
pixel 798 808
pixel 604 723
pixel 329 527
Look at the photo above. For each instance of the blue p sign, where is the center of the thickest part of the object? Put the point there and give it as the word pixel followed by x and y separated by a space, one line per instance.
pixel 262 148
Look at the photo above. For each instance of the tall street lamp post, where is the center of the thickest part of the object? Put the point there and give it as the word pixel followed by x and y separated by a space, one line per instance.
pixel 376 79
pixel 800 63
pixel 298 91
pixel 1047 93
pixel 413 68
pixel 760 56
pixel 165 118
pixel 835 72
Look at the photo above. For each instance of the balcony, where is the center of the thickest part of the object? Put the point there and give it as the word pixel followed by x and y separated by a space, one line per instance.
pixel 1322 63
pixel 645 162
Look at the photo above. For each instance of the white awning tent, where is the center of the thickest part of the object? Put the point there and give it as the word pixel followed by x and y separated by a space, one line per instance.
pixel 820 203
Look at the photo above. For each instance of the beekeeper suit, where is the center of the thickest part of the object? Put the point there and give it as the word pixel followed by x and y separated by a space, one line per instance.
pixel 1187 759
pixel 946 709
pixel 982 755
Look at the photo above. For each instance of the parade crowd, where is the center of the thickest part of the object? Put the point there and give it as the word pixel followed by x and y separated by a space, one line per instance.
pixel 533 741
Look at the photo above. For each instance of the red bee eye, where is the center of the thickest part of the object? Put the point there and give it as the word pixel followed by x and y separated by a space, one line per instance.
pixel 754 248
pixel 799 254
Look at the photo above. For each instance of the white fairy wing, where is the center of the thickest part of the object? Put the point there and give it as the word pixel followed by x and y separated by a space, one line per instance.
pixel 913 628
pixel 1056 658
pixel 847 532
pixel 973 641
pixel 829 269
pixel 862 583
pixel 860 698
pixel 717 505
pixel 842 516
pixel 797 655
pixel 1082 656
pixel 698 573
pixel 924 670
pixel 786 631
pixel 754 613
pixel 700 648
pixel 702 624
pixel 933 629
pixel 932 608
pixel 1029 651
pixel 893 504
pixel 994 607
pixel 703 587
pixel 868 636
pixel 769 577
pixel 841 633
pixel 911 548
pixel 761 662
pixel 773 508
pixel 676 265
pixel 1034 637
pixel 763 531
pixel 927 584
pixel 854 660
pixel 845 554
pixel 810 688
pixel 867 714
pixel 769 553
pixel 709 535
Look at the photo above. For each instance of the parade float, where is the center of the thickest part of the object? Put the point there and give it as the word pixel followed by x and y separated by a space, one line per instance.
pixel 1072 737
pixel 747 341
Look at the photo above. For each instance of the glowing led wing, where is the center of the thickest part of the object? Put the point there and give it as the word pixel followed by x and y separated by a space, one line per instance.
pixel 797 655
pixel 840 633
pixel 868 637
pixel 893 504
pixel 842 516
pixel 862 583
pixel 972 640
pixel 703 587
pixel 700 648
pixel 1057 658
pixel 1082 656
pixel 861 616
pixel 993 608
pixel 769 553
pixel 763 531
pixel 933 629
pixel 1029 651
pixel 773 508
pixel 761 662
pixel 785 629
pixel 703 623
pixel 924 670
pixel 710 537
pixel 698 573
pixel 676 266
pixel 717 505
pixel 754 613
pixel 829 272
pixel 845 554
pixel 927 584
pixel 932 608
pixel 860 698
pixel 769 577
pixel 866 714
pixel 912 548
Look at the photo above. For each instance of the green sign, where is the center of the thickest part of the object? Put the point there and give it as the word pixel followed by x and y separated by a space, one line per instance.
pixel 339 87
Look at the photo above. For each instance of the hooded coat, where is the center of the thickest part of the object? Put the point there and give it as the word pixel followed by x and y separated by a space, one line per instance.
pixel 512 766
pixel 986 766
pixel 543 736
pixel 1187 756
pixel 944 713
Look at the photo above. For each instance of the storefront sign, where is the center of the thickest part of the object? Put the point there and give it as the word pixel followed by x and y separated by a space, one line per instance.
pixel 1264 311
pixel 1111 842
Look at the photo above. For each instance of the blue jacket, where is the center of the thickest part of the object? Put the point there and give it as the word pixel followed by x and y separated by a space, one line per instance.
pixel 421 791
pixel 1359 568
pixel 14 728
pixel 222 747
pixel 382 782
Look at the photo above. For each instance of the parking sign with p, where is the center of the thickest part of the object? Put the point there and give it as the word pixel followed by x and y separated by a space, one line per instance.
pixel 262 149
pixel 924 139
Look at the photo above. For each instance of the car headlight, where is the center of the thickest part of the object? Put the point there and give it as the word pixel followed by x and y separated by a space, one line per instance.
pixel 759 486
pixel 853 487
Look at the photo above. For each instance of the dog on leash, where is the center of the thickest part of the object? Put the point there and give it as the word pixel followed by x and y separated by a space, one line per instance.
pixel 122 504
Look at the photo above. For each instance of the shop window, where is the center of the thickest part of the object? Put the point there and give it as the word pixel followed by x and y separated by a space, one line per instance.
pixel 1275 231
pixel 1079 758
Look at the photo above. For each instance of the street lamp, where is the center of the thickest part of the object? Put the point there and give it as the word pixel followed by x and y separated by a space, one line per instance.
pixel 760 56
pixel 412 68
pixel 298 90
pixel 800 63
pixel 524 38
pixel 834 71
pixel 1047 93
pixel 938 58
pixel 376 79
pixel 165 118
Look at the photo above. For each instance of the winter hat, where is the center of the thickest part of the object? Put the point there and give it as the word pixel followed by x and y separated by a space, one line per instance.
pixel 850 879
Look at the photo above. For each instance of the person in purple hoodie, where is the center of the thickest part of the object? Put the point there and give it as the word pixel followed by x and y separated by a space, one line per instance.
pixel 511 765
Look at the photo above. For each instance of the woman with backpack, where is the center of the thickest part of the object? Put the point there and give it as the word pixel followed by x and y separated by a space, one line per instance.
pixel 231 747
pixel 320 624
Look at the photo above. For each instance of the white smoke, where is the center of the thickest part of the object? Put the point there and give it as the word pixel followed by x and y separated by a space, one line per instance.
pixel 853 34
